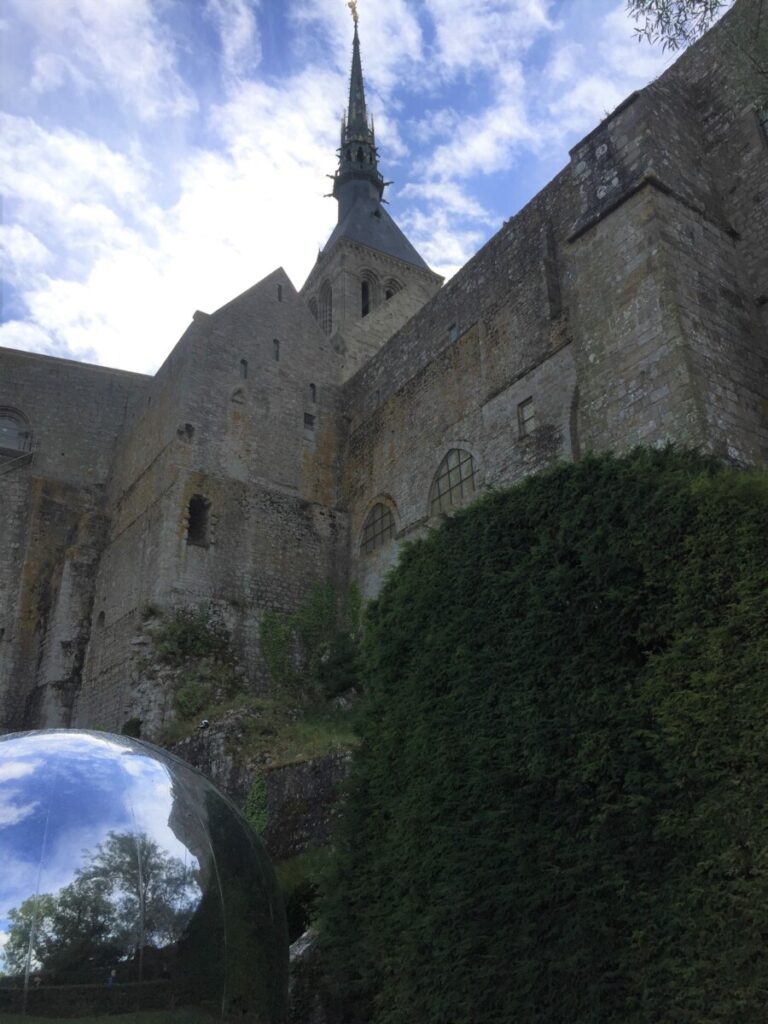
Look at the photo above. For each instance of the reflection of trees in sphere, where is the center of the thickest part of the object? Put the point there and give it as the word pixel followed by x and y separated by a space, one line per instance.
pixel 130 887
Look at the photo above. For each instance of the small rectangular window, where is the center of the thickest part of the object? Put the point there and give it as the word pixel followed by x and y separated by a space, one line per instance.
pixel 309 421
pixel 526 417
pixel 276 349
pixel 279 293
pixel 453 333
pixel 243 368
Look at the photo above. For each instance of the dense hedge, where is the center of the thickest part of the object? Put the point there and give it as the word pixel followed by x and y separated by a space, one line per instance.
pixel 559 811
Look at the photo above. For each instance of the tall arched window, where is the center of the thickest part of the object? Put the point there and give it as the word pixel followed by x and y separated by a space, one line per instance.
pixel 369 292
pixel 14 431
pixel 454 482
pixel 379 526
pixel 199 521
pixel 325 307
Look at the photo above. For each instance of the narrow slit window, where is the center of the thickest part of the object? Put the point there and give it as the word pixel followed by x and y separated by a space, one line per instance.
pixel 526 417
pixel 279 293
pixel 312 393
pixel 453 333
pixel 366 298
pixel 199 521
pixel 243 368
pixel 325 308
pixel 276 349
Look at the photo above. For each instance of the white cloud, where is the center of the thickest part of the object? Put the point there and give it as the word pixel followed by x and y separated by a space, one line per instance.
pixel 238 34
pixel 120 46
pixel 384 66
pixel 10 770
pixel 11 812
pixel 484 34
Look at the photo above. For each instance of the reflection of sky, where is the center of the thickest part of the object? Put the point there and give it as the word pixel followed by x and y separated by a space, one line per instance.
pixel 60 794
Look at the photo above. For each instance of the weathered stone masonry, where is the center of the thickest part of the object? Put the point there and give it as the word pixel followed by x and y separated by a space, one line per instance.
pixel 625 304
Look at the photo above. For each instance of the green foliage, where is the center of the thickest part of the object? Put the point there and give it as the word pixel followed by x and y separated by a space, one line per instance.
pixel 92 921
pixel 313 653
pixel 557 812
pixel 188 634
pixel 291 736
pixel 196 641
pixel 673 23
pixel 299 881
pixel 255 806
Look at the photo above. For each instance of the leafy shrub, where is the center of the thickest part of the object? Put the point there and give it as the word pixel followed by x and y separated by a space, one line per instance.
pixel 255 806
pixel 557 812
pixel 188 634
pixel 313 653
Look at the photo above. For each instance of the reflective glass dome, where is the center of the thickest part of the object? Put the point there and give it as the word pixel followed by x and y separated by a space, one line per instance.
pixel 130 887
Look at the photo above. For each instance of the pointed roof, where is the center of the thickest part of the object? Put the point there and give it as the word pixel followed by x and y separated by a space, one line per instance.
pixel 357 115
pixel 357 184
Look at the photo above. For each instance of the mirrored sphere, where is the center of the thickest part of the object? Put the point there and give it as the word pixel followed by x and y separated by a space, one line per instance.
pixel 130 887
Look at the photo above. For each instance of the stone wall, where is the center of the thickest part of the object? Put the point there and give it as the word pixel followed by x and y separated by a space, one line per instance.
pixel 625 304
pixel 52 526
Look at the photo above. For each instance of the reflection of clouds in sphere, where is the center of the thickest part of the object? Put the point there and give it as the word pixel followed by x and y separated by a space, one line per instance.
pixel 129 882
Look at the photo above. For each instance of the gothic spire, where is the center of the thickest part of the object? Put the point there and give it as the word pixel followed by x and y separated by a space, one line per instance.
pixel 358 170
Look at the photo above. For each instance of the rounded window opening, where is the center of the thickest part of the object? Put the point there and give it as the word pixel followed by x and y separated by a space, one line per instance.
pixel 455 482
pixel 366 298
pixel 199 521
pixel 14 431
pixel 378 528
pixel 243 368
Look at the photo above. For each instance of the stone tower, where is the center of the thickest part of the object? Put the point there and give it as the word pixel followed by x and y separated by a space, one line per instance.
pixel 368 280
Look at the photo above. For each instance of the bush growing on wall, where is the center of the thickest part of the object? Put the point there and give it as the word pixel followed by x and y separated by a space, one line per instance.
pixel 558 811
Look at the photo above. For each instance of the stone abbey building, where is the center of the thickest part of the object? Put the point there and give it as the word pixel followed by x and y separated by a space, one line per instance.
pixel 299 436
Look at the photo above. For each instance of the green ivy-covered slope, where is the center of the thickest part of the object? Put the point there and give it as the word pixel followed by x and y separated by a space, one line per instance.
pixel 559 811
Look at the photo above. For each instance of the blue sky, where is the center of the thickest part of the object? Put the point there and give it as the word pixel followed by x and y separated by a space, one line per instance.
pixel 161 156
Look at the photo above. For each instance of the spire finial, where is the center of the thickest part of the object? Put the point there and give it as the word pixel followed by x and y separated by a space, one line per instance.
pixel 358 170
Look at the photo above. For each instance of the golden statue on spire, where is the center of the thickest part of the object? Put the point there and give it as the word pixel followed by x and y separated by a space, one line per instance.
pixel 352 5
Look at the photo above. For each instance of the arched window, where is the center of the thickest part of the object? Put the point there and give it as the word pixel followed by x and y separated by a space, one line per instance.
pixel 379 526
pixel 199 521
pixel 359 154
pixel 14 431
pixel 325 308
pixel 454 482
pixel 391 287
pixel 369 292
pixel 243 368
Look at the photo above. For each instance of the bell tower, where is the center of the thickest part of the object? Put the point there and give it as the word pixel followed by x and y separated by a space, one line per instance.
pixel 368 280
